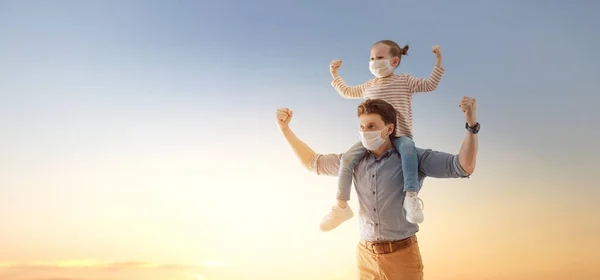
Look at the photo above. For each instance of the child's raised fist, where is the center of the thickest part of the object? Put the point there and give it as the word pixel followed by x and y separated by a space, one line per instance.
pixel 335 65
pixel 436 50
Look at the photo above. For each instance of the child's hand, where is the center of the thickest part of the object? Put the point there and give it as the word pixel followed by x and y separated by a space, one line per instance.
pixel 334 66
pixel 438 54
pixel 284 116
pixel 437 51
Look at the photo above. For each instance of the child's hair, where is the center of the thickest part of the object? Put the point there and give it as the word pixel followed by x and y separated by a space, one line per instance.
pixel 395 49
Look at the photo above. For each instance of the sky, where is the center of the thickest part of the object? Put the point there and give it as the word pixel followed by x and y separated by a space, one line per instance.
pixel 139 138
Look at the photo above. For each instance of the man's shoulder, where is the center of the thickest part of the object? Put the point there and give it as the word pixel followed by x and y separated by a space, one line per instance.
pixel 422 151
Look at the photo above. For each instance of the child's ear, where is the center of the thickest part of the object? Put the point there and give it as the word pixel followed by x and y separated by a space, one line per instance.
pixel 396 62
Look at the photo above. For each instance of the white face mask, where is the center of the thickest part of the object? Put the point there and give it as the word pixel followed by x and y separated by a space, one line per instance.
pixel 381 67
pixel 372 140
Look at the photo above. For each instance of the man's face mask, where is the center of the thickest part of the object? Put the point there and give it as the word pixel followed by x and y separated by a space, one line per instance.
pixel 372 140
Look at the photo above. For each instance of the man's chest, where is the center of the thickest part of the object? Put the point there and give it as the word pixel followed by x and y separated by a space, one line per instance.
pixel 374 178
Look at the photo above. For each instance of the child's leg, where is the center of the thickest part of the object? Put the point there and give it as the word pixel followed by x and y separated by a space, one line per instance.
pixel 349 160
pixel 410 171
pixel 341 212
pixel 410 163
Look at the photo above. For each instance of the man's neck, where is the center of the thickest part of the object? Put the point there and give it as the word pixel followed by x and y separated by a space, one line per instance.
pixel 382 149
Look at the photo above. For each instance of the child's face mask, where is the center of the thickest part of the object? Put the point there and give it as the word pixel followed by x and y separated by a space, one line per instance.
pixel 381 67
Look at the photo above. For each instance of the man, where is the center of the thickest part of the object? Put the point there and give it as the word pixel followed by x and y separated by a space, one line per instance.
pixel 388 249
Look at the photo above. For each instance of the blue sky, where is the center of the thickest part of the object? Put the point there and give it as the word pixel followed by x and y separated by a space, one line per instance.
pixel 87 85
pixel 225 64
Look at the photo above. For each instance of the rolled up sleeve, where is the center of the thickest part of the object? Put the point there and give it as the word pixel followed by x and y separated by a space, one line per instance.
pixel 440 165
pixel 325 164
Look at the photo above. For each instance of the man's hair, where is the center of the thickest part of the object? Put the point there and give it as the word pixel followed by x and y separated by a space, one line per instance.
pixel 377 106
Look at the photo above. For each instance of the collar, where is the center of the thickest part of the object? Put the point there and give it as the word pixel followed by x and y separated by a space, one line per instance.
pixel 385 154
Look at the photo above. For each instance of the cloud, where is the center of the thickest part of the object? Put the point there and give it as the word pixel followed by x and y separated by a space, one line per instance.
pixel 60 278
pixel 107 270
pixel 108 265
pixel 214 264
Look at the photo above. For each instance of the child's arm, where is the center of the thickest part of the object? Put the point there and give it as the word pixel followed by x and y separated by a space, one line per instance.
pixel 431 83
pixel 349 92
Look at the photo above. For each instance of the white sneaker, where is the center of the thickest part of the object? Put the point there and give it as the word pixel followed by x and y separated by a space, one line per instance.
pixel 336 217
pixel 414 209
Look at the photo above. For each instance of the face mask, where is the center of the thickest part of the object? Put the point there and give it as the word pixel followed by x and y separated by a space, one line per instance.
pixel 381 68
pixel 372 140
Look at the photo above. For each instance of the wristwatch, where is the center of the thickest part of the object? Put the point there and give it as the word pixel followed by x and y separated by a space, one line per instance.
pixel 474 129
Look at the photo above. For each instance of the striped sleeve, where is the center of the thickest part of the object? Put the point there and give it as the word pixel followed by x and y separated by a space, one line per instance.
pixel 348 92
pixel 426 84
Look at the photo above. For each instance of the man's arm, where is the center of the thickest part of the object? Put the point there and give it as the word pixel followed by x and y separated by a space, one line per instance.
pixel 443 165
pixel 321 164
pixel 468 150
pixel 439 164
pixel 304 153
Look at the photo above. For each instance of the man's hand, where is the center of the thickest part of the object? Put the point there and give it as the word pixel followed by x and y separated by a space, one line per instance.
pixel 438 54
pixel 284 116
pixel 469 106
pixel 334 66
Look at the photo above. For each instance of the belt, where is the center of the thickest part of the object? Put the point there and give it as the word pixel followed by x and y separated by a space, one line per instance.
pixel 386 247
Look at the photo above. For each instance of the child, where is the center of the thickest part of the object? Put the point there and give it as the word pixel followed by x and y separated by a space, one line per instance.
pixel 398 91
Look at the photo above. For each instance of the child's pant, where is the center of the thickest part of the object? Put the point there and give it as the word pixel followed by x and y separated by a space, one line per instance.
pixel 408 154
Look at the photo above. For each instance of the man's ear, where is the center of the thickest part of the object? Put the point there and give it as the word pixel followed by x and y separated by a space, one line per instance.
pixel 391 129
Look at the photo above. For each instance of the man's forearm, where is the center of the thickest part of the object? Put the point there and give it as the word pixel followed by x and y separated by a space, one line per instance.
pixel 302 151
pixel 468 152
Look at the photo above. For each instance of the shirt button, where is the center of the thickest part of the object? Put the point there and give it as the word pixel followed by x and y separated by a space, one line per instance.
pixel 373 176
pixel 376 224
pixel 374 210
pixel 373 192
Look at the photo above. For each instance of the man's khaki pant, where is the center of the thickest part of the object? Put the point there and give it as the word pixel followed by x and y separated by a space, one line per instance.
pixel 403 264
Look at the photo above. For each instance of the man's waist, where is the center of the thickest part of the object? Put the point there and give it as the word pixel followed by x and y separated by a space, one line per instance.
pixel 386 247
